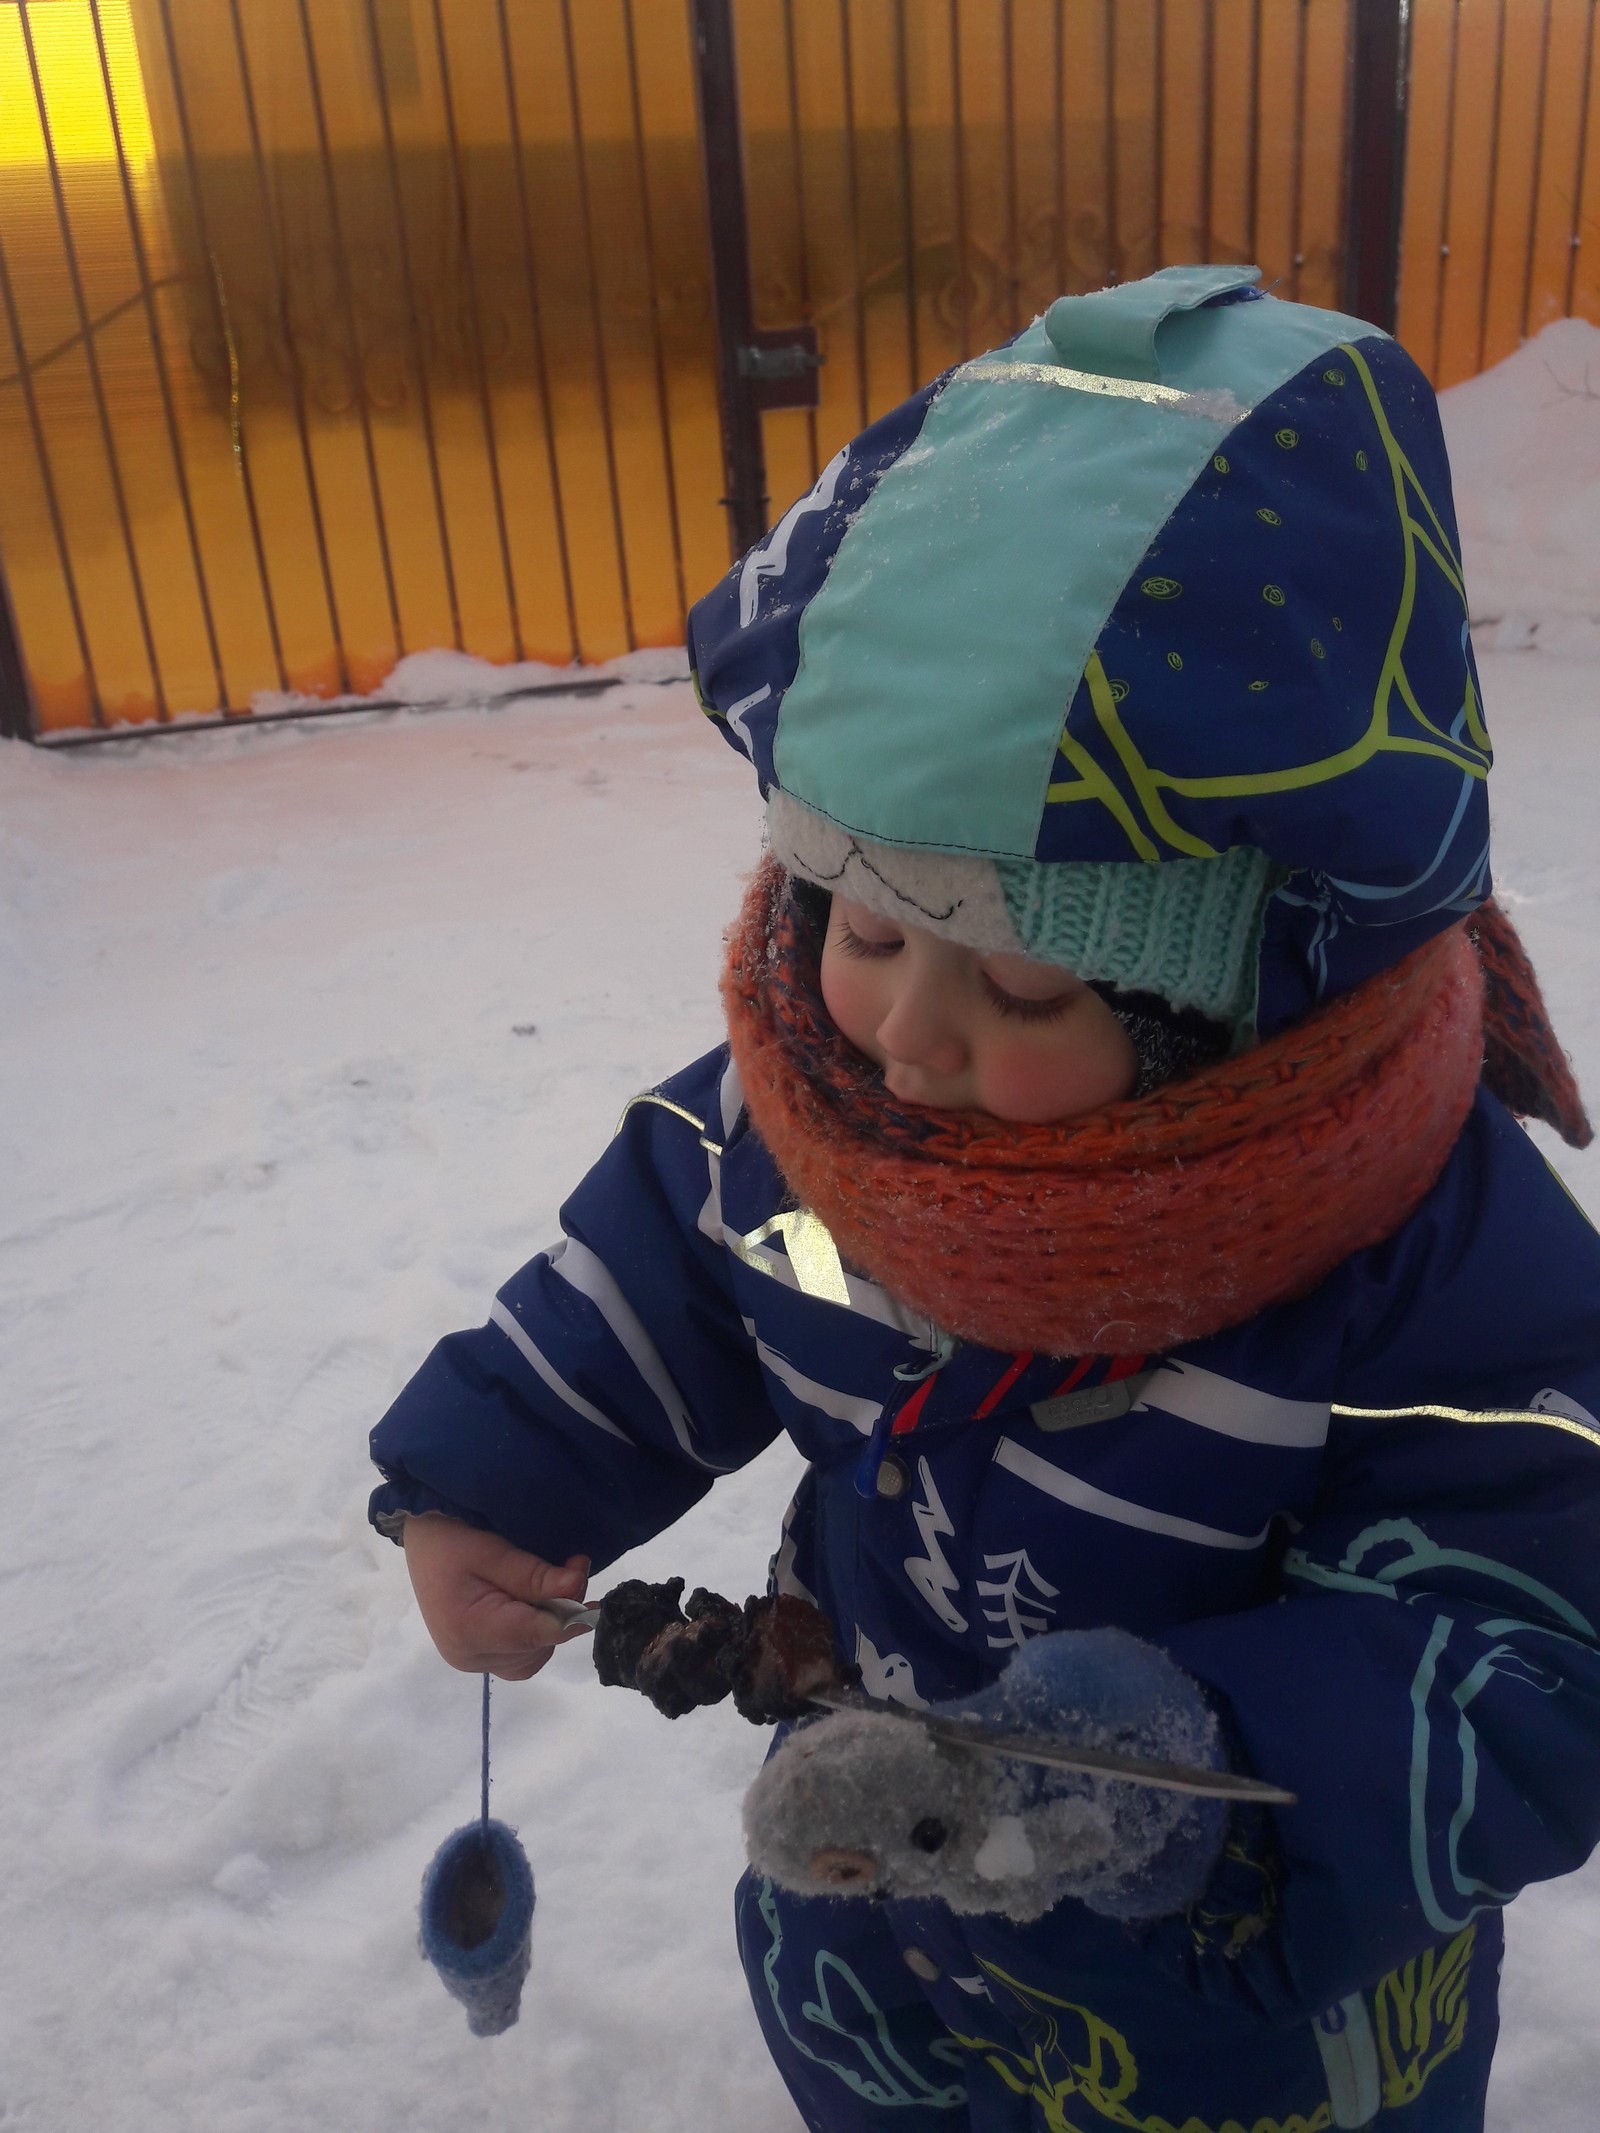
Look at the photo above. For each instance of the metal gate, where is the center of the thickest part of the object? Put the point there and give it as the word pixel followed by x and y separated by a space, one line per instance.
pixel 336 329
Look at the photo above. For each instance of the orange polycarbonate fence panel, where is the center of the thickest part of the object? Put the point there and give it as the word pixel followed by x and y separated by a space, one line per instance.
pixel 335 329
pixel 1502 206
pixel 925 175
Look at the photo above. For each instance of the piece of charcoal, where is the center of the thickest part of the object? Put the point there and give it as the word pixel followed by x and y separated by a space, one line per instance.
pixel 678 1669
pixel 783 1658
pixel 631 1616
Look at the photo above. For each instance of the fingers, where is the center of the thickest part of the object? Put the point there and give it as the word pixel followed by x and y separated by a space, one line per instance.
pixel 478 1596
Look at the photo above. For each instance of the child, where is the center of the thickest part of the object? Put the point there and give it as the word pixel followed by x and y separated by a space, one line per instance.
pixel 1100 1188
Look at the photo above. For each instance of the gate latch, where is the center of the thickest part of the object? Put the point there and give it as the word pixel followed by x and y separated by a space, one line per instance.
pixel 780 367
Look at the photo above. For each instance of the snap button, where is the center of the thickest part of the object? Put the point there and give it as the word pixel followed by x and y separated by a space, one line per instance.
pixel 894 1478
pixel 922 1966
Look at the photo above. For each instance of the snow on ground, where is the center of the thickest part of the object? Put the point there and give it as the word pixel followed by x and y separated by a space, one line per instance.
pixel 1524 441
pixel 305 1034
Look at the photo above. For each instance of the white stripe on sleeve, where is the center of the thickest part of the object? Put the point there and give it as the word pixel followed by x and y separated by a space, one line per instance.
pixel 848 1407
pixel 584 1271
pixel 517 1335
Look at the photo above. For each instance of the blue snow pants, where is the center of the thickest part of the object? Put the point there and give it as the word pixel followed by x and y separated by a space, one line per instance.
pixel 899 2018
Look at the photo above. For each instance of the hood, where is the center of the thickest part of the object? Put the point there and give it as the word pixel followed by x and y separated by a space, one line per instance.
pixel 1172 576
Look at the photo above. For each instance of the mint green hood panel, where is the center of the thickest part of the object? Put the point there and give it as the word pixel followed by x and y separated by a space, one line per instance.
pixel 939 658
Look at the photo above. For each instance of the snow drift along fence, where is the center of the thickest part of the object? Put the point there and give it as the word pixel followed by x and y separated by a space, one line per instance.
pixel 334 329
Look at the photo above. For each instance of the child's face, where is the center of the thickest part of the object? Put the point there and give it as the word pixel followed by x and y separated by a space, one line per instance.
pixel 959 1031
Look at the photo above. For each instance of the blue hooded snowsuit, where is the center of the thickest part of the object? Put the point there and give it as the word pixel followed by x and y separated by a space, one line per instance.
pixel 1364 1520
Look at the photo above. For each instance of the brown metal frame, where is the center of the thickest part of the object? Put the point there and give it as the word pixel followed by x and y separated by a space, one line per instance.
pixel 602 374
pixel 358 365
pixel 530 266
pixel 908 211
pixel 1494 184
pixel 25 370
pixel 653 300
pixel 202 230
pixel 280 293
pixel 419 348
pixel 18 717
pixel 1580 170
pixel 86 330
pixel 158 357
pixel 474 312
pixel 1375 158
pixel 757 369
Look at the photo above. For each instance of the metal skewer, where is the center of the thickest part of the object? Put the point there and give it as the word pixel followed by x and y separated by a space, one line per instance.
pixel 1066 1755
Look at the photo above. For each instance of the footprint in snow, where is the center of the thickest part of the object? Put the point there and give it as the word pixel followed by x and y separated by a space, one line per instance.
pixel 256 1638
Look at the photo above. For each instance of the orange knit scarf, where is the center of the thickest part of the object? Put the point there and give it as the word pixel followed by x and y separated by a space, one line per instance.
pixel 1147 1223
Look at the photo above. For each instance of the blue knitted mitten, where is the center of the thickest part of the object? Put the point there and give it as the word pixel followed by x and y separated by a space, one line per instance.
pixel 858 1803
pixel 477 1922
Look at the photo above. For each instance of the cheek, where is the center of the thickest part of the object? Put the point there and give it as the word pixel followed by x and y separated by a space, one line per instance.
pixel 851 994
pixel 1034 1083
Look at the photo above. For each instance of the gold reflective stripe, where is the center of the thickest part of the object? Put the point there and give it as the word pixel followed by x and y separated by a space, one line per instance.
pixel 666 1104
pixel 812 1253
pixel 1470 1414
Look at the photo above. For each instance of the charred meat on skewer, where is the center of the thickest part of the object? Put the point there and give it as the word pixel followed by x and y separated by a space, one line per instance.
pixel 773 1654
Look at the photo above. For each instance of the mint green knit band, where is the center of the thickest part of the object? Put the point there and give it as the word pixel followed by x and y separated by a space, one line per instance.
pixel 1188 930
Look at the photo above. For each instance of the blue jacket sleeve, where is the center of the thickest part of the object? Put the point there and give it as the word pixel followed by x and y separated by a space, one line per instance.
pixel 614 1380
pixel 1428 1684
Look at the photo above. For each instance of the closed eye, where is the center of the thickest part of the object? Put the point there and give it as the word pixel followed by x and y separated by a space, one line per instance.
pixel 852 943
pixel 1020 1010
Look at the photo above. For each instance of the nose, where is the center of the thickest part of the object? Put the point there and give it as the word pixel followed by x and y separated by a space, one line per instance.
pixel 920 1031
pixel 834 1867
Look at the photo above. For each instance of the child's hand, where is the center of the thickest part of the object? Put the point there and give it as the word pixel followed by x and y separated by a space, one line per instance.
pixel 479 1596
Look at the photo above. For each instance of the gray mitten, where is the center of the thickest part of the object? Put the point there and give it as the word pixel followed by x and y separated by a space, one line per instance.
pixel 862 1804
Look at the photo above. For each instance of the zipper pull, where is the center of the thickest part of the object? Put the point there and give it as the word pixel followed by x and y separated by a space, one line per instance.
pixel 904 1418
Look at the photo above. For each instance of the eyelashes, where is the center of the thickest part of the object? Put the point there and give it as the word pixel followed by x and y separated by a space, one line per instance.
pixel 1004 1003
pixel 870 951
pixel 1007 1003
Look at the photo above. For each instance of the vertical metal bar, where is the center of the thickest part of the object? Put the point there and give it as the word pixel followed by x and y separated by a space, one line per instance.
pixel 285 326
pixel 541 368
pixel 1375 159
pixel 475 329
pixel 1494 184
pixel 347 305
pixel 1581 171
pixel 419 350
pixel 1063 236
pixel 1253 165
pixel 1298 178
pixel 1113 228
pixel 601 372
pixel 908 218
pixel 1538 169
pixel 202 230
pixel 96 382
pixel 18 721
pixel 1158 175
pixel 802 222
pixel 158 354
pixel 1208 123
pixel 958 157
pixel 663 413
pixel 58 529
pixel 1447 184
pixel 1008 62
pixel 853 195
pixel 717 102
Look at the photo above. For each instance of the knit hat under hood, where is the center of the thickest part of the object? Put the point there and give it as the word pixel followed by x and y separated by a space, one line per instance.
pixel 1138 645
